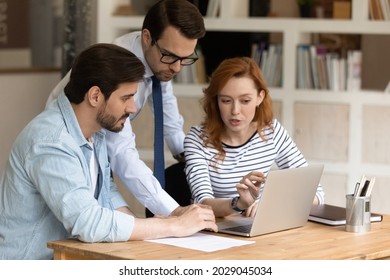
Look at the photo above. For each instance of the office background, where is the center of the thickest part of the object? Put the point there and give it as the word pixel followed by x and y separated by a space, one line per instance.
pixel 344 129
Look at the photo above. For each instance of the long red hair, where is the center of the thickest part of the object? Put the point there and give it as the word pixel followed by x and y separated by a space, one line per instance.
pixel 233 67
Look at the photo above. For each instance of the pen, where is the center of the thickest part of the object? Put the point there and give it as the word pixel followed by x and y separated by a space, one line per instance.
pixel 363 190
pixel 358 191
pixel 370 186
pixel 359 186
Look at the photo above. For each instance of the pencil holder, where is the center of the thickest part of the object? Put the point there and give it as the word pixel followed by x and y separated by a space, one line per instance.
pixel 358 213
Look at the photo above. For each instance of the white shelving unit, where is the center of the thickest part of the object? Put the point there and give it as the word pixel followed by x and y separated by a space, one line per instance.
pixel 295 31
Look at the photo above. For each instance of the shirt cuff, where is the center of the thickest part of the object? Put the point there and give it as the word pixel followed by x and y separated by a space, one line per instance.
pixel 124 225
pixel 176 143
pixel 166 208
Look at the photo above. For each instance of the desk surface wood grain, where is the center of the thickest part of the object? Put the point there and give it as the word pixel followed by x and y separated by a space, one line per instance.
pixel 312 241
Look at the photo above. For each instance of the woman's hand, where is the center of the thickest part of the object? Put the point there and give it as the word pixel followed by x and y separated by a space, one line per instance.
pixel 249 189
pixel 251 211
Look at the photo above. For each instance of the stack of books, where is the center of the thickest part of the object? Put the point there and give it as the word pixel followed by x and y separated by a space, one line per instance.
pixel 317 68
pixel 270 60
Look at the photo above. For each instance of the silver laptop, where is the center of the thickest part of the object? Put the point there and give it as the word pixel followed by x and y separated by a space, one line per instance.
pixel 285 203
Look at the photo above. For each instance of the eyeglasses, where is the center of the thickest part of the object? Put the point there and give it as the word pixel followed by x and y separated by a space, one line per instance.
pixel 170 58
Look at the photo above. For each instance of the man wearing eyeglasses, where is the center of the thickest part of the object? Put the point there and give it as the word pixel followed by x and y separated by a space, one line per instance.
pixel 165 45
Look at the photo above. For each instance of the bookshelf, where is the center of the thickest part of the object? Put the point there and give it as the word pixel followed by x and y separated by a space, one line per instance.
pixel 345 130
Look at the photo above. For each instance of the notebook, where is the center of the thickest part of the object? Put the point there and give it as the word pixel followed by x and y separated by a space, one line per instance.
pixel 285 203
pixel 334 215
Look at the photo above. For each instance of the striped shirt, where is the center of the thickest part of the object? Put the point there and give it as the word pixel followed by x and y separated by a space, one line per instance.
pixel 209 178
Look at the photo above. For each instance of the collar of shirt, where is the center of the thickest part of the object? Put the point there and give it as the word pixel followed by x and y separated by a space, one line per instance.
pixel 73 125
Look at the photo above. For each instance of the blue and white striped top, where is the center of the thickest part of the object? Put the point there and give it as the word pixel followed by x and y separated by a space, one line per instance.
pixel 210 179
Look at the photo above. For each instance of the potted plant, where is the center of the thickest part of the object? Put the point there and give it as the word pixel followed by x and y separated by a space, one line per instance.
pixel 305 7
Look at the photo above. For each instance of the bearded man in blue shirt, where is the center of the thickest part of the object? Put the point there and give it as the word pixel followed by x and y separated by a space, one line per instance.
pixel 57 182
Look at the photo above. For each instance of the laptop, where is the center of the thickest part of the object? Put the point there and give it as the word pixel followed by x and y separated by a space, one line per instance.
pixel 334 215
pixel 285 203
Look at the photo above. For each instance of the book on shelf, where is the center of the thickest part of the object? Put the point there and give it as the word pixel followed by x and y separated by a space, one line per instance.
pixel 278 77
pixel 257 51
pixel 335 71
pixel 328 63
pixel 379 9
pixel 234 8
pixel 339 73
pixel 274 67
pixel 201 77
pixel 322 73
pixel 213 8
pixel 354 61
pixel 314 67
pixel 300 68
pixel 308 75
pixel 270 62
pixel 387 89
pixel 342 73
pixel 304 67
pixel 264 61
pixel 227 8
pixel 321 66
pixel 385 4
pixel 269 67
pixel 185 76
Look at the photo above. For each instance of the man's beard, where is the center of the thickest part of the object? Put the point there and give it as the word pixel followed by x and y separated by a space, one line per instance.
pixel 108 122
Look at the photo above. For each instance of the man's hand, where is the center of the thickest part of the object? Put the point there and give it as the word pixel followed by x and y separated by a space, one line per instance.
pixel 196 217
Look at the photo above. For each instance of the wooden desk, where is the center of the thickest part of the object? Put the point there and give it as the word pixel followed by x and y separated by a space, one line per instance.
pixel 313 241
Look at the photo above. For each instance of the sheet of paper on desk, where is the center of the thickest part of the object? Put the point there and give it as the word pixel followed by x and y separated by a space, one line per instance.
pixel 202 242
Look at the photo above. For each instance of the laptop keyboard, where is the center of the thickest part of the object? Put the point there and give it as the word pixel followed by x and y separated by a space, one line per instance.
pixel 244 228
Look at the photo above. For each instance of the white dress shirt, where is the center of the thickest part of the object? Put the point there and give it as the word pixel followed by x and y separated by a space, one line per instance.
pixel 122 152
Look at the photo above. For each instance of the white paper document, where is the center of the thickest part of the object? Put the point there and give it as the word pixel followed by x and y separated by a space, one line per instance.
pixel 202 242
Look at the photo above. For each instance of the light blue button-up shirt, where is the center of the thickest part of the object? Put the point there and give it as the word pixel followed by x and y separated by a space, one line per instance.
pixel 45 191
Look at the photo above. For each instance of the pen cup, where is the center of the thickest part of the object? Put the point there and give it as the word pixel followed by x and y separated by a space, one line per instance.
pixel 358 213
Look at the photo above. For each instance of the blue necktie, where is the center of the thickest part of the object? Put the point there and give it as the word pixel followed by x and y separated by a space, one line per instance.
pixel 158 132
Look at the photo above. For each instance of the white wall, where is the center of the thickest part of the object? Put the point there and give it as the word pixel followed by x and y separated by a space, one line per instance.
pixel 22 97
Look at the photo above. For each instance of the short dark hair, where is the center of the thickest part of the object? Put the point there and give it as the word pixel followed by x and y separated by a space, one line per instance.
pixel 180 14
pixel 103 65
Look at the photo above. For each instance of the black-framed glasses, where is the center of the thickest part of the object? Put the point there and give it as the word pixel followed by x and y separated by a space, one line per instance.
pixel 170 58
